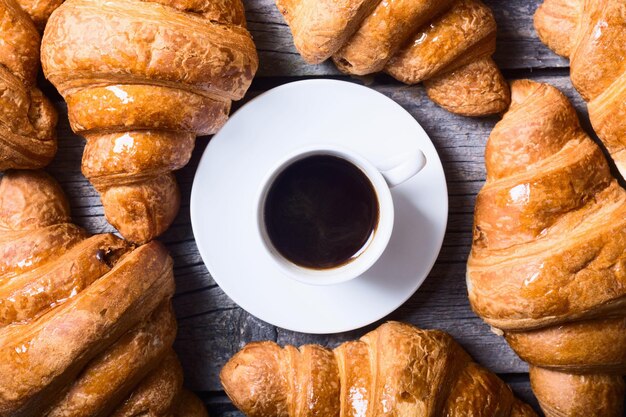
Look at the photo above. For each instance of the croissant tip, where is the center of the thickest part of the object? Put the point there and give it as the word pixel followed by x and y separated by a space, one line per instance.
pixel 31 198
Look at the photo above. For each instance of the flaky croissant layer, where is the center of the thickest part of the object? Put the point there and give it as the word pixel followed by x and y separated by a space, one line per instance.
pixel 86 323
pixel 592 33
pixel 549 254
pixel 141 80
pixel 27 118
pixel 395 370
pixel 446 43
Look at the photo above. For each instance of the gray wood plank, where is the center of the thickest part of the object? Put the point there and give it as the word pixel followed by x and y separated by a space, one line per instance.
pixel 518 45
pixel 212 327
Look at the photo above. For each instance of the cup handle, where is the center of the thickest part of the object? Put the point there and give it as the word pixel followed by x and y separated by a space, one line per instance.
pixel 402 167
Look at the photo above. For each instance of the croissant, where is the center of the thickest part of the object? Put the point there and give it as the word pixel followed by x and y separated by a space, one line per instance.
pixel 395 370
pixel 592 33
pixel 86 323
pixel 448 44
pixel 27 118
pixel 39 11
pixel 548 260
pixel 141 80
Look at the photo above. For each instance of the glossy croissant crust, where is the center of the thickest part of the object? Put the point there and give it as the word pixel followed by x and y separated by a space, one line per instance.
pixel 395 370
pixel 86 324
pixel 548 261
pixel 446 43
pixel 27 118
pixel 39 10
pixel 141 80
pixel 592 33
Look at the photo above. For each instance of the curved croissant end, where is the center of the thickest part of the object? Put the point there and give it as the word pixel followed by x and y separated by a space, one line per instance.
pixel 549 254
pixel 39 10
pixel 141 81
pixel 446 43
pixel 593 35
pixel 396 369
pixel 190 406
pixel 30 200
pixel 86 323
pixel 27 118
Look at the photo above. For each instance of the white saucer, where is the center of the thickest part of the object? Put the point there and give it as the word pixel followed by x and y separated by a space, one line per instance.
pixel 268 128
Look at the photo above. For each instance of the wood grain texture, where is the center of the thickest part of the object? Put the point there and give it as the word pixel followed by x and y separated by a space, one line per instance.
pixel 212 327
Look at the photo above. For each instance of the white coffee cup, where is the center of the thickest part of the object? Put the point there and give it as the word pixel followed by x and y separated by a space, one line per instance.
pixel 386 175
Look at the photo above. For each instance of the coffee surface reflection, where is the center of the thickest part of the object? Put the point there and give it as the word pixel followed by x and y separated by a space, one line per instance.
pixel 320 212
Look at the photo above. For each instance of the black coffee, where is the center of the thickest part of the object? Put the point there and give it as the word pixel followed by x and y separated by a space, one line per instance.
pixel 320 212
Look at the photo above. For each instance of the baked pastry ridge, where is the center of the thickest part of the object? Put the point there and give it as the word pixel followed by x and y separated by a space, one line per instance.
pixel 548 254
pixel 592 34
pixel 445 43
pixel 394 370
pixel 39 10
pixel 86 323
pixel 27 118
pixel 141 80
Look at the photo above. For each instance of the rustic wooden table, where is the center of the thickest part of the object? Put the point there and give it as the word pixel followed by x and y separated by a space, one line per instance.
pixel 212 327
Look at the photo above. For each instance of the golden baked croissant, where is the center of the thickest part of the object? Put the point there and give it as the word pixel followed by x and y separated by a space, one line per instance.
pixel 27 118
pixel 86 324
pixel 39 11
pixel 141 80
pixel 592 33
pixel 548 261
pixel 395 370
pixel 446 43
